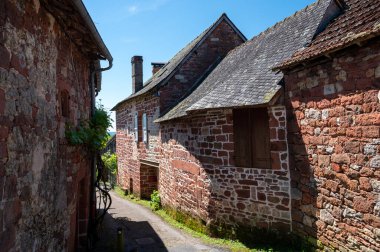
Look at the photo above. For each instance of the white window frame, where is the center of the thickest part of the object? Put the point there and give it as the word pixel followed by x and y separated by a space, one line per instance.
pixel 145 127
pixel 136 127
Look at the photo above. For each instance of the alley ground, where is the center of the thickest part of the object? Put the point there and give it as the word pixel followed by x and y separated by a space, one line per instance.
pixel 143 231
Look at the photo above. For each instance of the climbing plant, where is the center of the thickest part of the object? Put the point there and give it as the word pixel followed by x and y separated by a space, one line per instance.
pixel 91 133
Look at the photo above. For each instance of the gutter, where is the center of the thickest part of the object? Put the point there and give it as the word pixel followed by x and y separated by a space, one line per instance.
pixel 104 54
pixel 96 36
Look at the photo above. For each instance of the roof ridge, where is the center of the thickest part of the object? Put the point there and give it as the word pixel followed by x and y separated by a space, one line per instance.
pixel 203 33
pixel 273 26
pixel 181 56
pixel 298 12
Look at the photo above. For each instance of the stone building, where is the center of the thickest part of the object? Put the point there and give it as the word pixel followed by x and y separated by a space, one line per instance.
pixel 225 145
pixel 282 134
pixel 138 140
pixel 332 95
pixel 49 73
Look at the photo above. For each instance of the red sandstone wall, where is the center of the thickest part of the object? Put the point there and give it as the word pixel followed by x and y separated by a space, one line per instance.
pixel 334 137
pixel 128 151
pixel 40 175
pixel 198 174
pixel 218 43
pixel 222 40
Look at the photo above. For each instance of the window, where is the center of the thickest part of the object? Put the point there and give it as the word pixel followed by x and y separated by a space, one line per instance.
pixel 141 127
pixel 136 127
pixel 145 128
pixel 251 137
pixel 65 103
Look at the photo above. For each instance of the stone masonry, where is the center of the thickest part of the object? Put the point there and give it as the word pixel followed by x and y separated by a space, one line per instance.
pixel 198 173
pixel 44 183
pixel 130 153
pixel 334 141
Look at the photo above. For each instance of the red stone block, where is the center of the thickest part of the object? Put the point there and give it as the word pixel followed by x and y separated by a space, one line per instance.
pixel 261 196
pixel 2 102
pixel 243 193
pixel 275 161
pixel 4 58
pixel 3 150
pixel 186 166
pixel 371 132
pixel 363 205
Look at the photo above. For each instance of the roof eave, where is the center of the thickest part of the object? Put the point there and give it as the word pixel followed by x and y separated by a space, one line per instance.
pixel 94 32
pixel 292 64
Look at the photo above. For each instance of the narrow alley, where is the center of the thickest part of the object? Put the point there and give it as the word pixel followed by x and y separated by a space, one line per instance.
pixel 143 231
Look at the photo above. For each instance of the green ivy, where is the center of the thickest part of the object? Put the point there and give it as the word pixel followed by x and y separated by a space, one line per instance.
pixel 91 133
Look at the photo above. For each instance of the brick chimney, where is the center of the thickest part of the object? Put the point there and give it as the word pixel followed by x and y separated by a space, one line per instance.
pixel 137 73
pixel 156 66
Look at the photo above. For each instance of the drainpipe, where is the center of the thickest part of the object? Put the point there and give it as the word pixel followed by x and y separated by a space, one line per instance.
pixel 103 54
pixel 93 202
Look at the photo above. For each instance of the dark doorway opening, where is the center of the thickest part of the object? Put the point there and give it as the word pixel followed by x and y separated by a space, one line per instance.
pixel 148 178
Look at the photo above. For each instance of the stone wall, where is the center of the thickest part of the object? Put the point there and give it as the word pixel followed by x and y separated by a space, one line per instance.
pixel 211 51
pixel 215 46
pixel 198 173
pixel 334 137
pixel 43 181
pixel 129 152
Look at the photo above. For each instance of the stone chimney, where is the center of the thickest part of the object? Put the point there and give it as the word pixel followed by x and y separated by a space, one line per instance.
pixel 156 66
pixel 137 73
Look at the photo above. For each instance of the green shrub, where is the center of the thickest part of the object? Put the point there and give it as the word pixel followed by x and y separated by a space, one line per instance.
pixel 110 163
pixel 91 133
pixel 155 201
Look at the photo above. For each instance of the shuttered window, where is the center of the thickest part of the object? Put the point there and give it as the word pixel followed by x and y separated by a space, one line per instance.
pixel 251 137
pixel 136 127
pixel 145 128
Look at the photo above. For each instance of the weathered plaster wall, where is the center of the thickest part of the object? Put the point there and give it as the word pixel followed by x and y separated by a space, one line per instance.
pixel 40 175
pixel 334 137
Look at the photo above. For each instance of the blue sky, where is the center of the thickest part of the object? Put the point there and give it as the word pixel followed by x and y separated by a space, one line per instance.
pixel 158 29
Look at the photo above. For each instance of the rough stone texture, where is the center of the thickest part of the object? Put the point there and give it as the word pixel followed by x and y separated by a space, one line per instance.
pixel 198 174
pixel 43 181
pixel 129 152
pixel 184 78
pixel 334 142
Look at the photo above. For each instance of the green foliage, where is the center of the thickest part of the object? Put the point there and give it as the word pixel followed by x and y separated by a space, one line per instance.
pixel 155 201
pixel 195 224
pixel 91 133
pixel 110 164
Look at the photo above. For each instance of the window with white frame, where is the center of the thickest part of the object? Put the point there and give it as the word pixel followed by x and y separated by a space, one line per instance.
pixel 136 127
pixel 145 128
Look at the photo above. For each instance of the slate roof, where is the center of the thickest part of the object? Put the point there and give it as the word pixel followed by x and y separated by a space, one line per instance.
pixel 169 68
pixel 360 21
pixel 245 76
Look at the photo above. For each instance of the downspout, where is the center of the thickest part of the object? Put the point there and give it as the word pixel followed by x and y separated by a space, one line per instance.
pixel 93 203
pixel 103 54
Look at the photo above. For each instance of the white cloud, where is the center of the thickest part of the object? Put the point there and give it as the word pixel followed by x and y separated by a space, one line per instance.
pixel 133 9
pixel 150 5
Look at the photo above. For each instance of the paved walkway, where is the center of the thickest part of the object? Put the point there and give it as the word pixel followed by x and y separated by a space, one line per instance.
pixel 143 231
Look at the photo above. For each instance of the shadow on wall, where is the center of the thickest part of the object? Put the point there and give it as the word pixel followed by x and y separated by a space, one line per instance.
pixel 304 186
pixel 333 132
pixel 198 176
pixel 137 236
